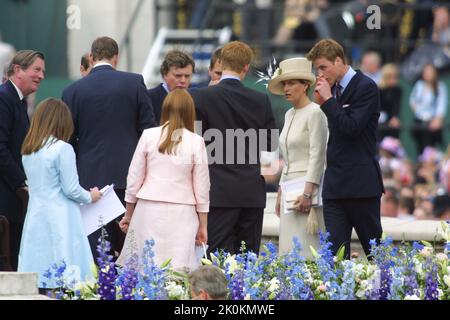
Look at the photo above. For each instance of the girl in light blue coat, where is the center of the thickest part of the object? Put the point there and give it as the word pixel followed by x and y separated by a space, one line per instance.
pixel 53 229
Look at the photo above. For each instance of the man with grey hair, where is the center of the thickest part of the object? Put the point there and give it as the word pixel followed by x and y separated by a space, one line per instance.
pixel 208 283
pixel 371 65
pixel 24 75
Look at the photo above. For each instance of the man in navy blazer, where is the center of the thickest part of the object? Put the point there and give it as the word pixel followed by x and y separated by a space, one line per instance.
pixel 352 184
pixel 110 109
pixel 25 73
pixel 176 70
pixel 237 124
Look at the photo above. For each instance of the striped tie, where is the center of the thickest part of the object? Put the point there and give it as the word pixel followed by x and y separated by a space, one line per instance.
pixel 337 90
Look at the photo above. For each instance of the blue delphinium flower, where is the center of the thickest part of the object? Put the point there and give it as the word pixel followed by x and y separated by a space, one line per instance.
pixel 417 246
pixel 55 278
pixel 252 274
pixel 296 272
pixel 325 265
pixel 397 285
pixel 431 281
pixel 385 283
pixel 324 250
pixel 411 285
pixel 236 285
pixel 107 271
pixel 384 255
pixel 347 289
pixel 151 282
pixel 128 278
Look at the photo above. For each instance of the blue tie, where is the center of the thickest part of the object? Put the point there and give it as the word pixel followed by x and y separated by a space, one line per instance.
pixel 337 90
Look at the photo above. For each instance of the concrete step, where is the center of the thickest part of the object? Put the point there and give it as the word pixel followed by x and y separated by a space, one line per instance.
pixel 19 286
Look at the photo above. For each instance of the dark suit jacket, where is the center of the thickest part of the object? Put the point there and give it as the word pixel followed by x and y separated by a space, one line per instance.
pixel 230 105
pixel 14 124
pixel 157 95
pixel 352 167
pixel 110 110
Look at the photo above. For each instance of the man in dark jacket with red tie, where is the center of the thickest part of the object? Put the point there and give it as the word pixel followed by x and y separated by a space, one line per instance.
pixel 25 73
pixel 352 184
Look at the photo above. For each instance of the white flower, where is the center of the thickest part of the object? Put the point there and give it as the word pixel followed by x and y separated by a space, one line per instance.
pixel 426 252
pixel 445 233
pixel 174 290
pixel 418 267
pixel 274 285
pixel 247 297
pixel 361 294
pixel 79 286
pixel 105 269
pixel 447 280
pixel 440 294
pixel 233 265
pixel 322 288
pixel 412 297
pixel 358 268
pixel 441 257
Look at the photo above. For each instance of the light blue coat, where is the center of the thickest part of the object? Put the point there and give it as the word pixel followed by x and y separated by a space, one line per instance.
pixel 53 229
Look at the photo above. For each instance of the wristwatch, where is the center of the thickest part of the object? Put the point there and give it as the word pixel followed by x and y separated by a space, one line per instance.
pixel 306 195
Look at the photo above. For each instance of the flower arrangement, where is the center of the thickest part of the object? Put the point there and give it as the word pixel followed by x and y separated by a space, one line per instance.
pixel 406 272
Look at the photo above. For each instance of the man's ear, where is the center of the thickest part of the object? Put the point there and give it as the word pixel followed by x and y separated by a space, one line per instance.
pixel 115 61
pixel 338 60
pixel 204 295
pixel 16 68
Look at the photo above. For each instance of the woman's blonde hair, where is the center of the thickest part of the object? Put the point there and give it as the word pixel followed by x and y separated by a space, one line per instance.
pixel 51 118
pixel 388 69
pixel 178 112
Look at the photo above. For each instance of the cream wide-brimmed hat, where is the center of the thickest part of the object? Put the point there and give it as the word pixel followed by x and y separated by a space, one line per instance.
pixel 291 69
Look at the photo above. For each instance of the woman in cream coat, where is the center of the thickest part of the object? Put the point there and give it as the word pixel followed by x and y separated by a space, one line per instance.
pixel 303 143
pixel 167 195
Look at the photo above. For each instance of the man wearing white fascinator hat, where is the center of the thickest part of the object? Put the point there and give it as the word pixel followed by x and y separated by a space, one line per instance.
pixel 303 143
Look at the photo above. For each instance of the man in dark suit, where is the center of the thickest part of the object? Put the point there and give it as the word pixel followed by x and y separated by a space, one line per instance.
pixel 352 184
pixel 214 71
pixel 237 124
pixel 85 65
pixel 25 73
pixel 110 110
pixel 176 70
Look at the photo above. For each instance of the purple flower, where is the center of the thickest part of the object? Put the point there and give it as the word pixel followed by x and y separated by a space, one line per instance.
pixel 431 282
pixel 107 271
pixel 128 278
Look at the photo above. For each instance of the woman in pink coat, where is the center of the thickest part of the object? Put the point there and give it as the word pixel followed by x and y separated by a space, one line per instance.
pixel 168 185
